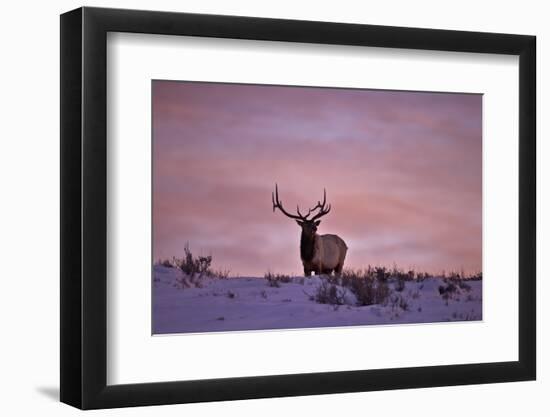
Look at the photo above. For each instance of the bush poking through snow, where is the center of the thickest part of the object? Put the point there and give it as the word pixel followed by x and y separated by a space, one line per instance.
pixel 275 280
pixel 476 277
pixel 328 293
pixel 165 262
pixel 398 301
pixel 195 268
pixel 400 284
pixel 193 265
pixel 448 288
pixel 221 273
pixel 369 286
pixel 370 291
pixel 421 276
pixel 464 285
pixel 447 291
pixel 453 287
pixel 381 273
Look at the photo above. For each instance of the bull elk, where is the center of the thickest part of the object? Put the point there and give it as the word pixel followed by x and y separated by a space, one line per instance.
pixel 321 254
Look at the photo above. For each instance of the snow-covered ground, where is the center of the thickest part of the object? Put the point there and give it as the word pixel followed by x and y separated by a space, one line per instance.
pixel 248 303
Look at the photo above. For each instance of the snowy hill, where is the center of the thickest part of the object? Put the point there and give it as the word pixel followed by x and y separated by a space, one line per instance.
pixel 184 305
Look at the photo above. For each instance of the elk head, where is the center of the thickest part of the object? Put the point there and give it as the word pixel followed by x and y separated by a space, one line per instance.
pixel 308 225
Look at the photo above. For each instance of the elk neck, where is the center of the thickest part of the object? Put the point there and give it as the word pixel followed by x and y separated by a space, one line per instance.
pixel 307 244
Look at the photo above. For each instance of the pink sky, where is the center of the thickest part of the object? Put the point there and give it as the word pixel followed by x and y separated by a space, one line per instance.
pixel 402 171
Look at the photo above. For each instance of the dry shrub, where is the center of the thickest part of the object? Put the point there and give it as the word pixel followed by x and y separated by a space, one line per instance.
pixel 275 280
pixel 328 293
pixel 369 286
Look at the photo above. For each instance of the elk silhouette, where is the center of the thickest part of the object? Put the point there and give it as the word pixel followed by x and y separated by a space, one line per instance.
pixel 321 254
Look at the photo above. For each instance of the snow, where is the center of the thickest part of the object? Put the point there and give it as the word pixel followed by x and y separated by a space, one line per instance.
pixel 250 303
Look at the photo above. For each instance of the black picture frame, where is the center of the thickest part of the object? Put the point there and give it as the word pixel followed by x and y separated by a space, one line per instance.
pixel 84 207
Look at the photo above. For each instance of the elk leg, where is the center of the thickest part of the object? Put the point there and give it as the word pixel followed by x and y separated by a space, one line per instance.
pixel 338 269
pixel 307 272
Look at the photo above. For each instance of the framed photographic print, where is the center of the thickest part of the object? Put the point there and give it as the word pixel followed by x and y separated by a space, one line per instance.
pixel 361 198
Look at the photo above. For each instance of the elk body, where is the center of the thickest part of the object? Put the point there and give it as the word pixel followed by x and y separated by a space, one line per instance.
pixel 321 254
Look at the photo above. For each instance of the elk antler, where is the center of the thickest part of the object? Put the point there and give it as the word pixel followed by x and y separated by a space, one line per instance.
pixel 323 209
pixel 277 204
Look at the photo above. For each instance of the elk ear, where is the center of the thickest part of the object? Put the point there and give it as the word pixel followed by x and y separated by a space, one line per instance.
pixel 300 223
pixel 318 222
